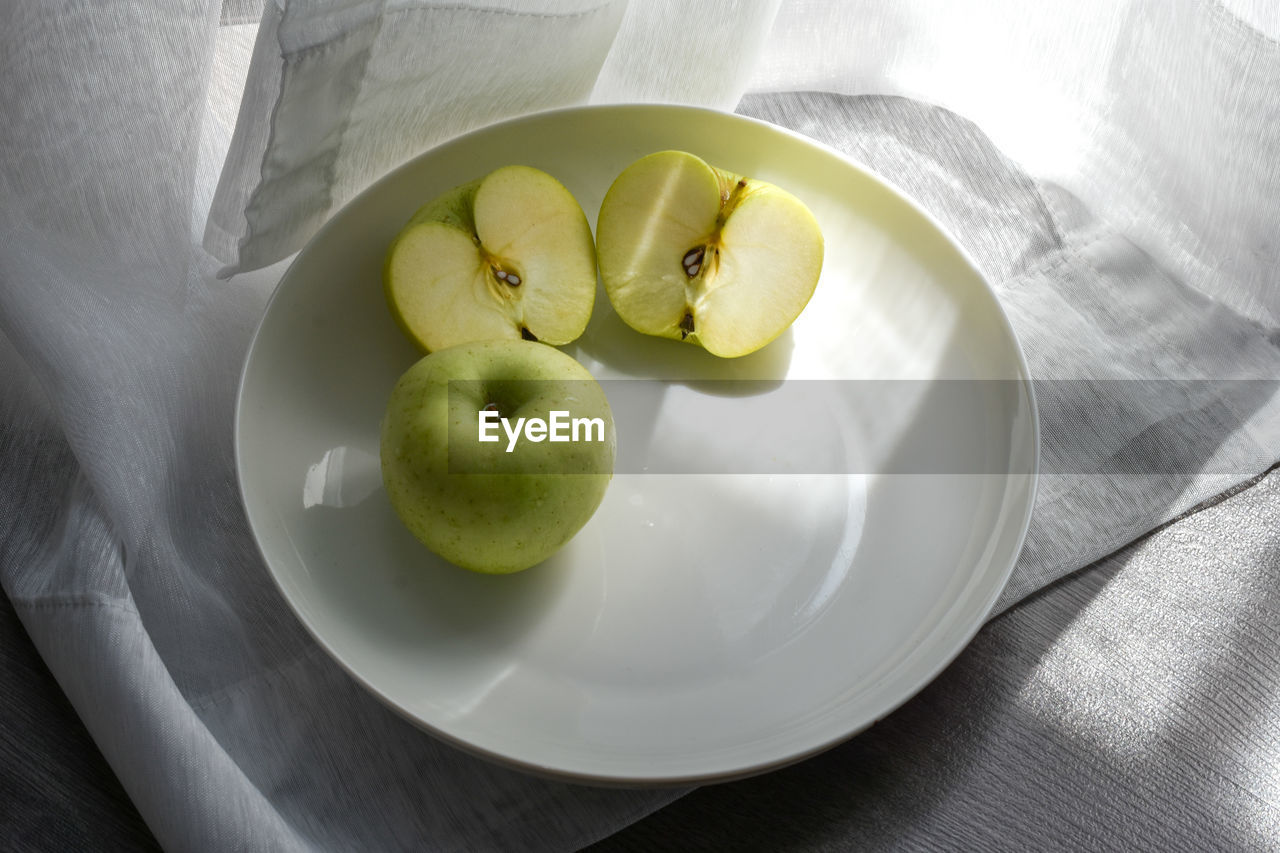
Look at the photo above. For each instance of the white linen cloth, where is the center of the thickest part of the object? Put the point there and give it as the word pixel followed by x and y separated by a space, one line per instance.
pixel 1115 169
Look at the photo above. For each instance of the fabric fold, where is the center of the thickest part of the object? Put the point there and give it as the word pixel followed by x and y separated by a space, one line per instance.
pixel 340 93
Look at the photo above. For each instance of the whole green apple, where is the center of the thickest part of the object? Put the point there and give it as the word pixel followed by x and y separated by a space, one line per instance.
pixel 496 453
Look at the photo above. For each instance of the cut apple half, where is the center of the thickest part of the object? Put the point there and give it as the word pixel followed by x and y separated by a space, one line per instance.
pixel 696 253
pixel 507 256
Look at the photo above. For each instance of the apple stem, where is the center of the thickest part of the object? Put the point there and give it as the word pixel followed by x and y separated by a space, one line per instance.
pixel 729 201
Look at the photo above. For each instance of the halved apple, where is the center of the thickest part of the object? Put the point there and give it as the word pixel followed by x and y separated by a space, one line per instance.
pixel 696 253
pixel 507 256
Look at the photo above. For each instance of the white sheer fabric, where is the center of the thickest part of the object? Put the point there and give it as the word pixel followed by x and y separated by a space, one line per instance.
pixel 1114 166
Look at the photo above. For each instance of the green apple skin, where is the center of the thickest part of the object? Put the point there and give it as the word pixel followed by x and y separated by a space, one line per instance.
pixel 699 254
pixel 475 504
pixel 506 256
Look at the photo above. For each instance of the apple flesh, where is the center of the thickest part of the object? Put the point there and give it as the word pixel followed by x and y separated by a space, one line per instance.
pixel 495 507
pixel 508 256
pixel 699 254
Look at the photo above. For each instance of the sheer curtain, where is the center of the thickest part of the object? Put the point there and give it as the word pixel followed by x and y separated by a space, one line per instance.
pixel 1113 166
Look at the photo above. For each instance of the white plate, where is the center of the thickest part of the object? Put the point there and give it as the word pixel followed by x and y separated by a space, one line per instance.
pixel 700 626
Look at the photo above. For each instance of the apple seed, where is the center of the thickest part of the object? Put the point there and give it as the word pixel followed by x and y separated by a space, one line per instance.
pixel 692 261
pixel 508 277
